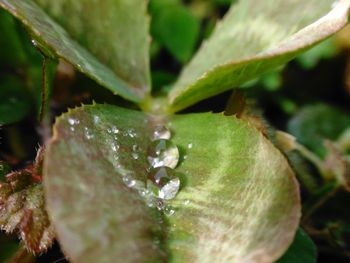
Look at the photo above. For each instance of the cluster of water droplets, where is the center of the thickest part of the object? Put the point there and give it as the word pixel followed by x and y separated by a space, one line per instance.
pixel 162 182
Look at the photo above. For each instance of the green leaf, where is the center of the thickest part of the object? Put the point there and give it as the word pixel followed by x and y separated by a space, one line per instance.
pixel 238 200
pixel 11 52
pixel 326 49
pixel 315 123
pixel 253 38
pixel 15 100
pixel 112 42
pixel 175 27
pixel 302 250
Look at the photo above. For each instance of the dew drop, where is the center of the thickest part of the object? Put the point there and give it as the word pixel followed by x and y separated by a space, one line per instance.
pixel 115 130
pixel 161 176
pixel 163 153
pixel 96 119
pixel 73 121
pixel 169 190
pixel 114 147
pixel 34 43
pixel 169 211
pixel 163 182
pixel 88 134
pixel 135 155
pixel 136 148
pixel 131 133
pixel 161 132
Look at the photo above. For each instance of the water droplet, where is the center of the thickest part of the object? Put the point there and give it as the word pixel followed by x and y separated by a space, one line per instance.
pixel 115 130
pixel 114 147
pixel 131 133
pixel 170 190
pixel 163 153
pixel 163 182
pixel 169 211
pixel 161 176
pixel 96 119
pixel 88 134
pixel 73 121
pixel 190 145
pixel 35 44
pixel 132 183
pixel 135 155
pixel 161 132
pixel 136 148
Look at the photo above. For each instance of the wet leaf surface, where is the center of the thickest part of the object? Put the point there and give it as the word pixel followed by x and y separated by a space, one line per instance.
pixel 238 200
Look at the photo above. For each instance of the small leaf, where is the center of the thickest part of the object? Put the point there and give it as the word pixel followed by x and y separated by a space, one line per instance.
pixel 238 201
pixel 302 250
pixel 253 38
pixel 315 123
pixel 102 30
pixel 22 208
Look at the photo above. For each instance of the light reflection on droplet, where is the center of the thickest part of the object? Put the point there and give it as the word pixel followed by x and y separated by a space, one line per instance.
pixel 163 153
pixel 161 132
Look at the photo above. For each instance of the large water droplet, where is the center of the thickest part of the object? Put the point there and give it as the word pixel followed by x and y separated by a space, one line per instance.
pixel 163 153
pixel 170 190
pixel 163 183
pixel 161 132
pixel 161 176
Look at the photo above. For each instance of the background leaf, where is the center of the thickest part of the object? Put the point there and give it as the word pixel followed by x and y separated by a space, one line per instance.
pixel 175 27
pixel 239 200
pixel 302 250
pixel 315 123
pixel 106 59
pixel 15 100
pixel 253 38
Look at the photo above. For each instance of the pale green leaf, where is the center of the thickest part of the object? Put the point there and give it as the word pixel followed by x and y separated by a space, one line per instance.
pixel 107 41
pixel 253 38
pixel 238 201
